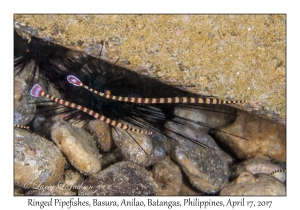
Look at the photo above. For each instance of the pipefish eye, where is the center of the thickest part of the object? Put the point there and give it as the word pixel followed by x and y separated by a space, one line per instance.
pixel 107 92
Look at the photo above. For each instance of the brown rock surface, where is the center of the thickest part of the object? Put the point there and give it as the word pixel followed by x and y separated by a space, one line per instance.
pixel 37 161
pixel 121 179
pixel 265 138
pixel 206 168
pixel 247 184
pixel 79 147
pixel 102 135
pixel 168 176
pixel 136 147
pixel 259 166
pixel 50 192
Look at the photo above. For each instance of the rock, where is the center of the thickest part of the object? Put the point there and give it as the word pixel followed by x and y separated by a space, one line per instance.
pixel 168 177
pixel 188 190
pixel 20 87
pixel 165 190
pixel 54 191
pixel 206 168
pixel 24 109
pixel 209 118
pixel 121 179
pixel 37 161
pixel 102 134
pixel 135 147
pixel 26 73
pixel 18 191
pixel 247 184
pixel 72 178
pixel 161 146
pixel 42 125
pixel 260 165
pixel 111 158
pixel 265 138
pixel 78 146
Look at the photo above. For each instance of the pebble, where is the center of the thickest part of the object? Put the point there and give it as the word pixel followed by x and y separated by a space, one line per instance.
pixel 102 134
pixel 55 191
pixel 26 73
pixel 68 187
pixel 265 138
pixel 168 177
pixel 78 146
pixel 161 147
pixel 20 87
pixel 111 158
pixel 24 109
pixel 136 147
pixel 260 165
pixel 72 178
pixel 188 190
pixel 42 125
pixel 121 179
pixel 209 118
pixel 248 184
pixel 18 191
pixel 207 169
pixel 37 161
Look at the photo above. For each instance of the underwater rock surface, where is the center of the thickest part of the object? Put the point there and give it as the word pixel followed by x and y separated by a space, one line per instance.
pixel 206 168
pixel 247 184
pixel 264 137
pixel 78 146
pixel 121 179
pixel 37 161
